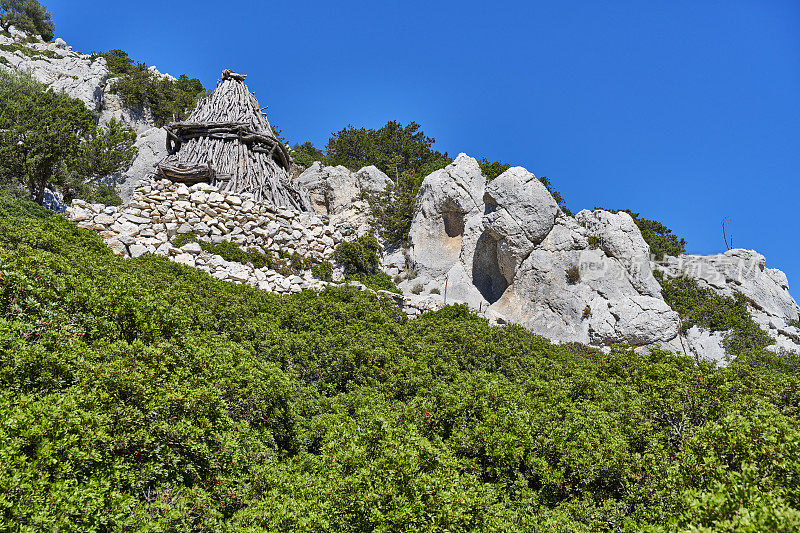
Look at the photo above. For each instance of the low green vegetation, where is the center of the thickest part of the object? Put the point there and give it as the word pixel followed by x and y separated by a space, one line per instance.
pixel 48 139
pixel 169 100
pixel 27 15
pixel 703 307
pixel 27 51
pixel 143 395
pixel 359 261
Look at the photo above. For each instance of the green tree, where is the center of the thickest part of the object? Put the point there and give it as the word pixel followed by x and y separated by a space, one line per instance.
pixel 27 15
pixel 306 154
pixel 394 148
pixel 48 139
pixel 139 87
pixel 111 148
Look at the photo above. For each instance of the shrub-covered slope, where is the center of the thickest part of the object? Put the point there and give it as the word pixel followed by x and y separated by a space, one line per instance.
pixel 142 395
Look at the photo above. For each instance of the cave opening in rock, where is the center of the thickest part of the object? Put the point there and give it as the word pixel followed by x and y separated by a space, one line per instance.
pixel 486 275
pixel 453 223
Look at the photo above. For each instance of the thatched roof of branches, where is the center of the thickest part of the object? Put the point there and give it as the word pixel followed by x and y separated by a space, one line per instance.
pixel 228 141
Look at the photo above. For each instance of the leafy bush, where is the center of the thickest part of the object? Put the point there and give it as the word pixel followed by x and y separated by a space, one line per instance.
pixel 492 169
pixel 228 251
pixel 359 260
pixel 323 271
pixel 306 154
pixel 169 100
pixel 143 395
pixel 377 281
pixel 100 193
pixel 358 256
pixel 417 288
pixel 27 15
pixel 435 291
pixel 703 307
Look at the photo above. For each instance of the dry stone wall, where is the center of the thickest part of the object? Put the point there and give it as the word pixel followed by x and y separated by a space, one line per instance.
pixel 160 210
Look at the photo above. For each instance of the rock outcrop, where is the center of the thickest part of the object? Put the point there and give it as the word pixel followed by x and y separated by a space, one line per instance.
pixel 334 189
pixel 508 248
pixel 56 65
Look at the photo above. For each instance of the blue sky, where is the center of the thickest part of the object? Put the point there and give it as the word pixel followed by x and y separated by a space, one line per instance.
pixel 685 111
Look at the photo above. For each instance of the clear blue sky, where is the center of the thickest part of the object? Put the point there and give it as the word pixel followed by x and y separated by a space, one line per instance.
pixel 686 111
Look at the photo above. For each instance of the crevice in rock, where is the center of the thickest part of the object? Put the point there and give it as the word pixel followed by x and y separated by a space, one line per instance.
pixel 486 275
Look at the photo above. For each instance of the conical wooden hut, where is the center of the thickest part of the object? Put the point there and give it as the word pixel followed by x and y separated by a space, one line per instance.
pixel 228 141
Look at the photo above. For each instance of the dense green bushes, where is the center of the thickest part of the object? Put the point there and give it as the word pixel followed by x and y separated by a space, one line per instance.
pixel 168 99
pixel 144 395
pixel 359 261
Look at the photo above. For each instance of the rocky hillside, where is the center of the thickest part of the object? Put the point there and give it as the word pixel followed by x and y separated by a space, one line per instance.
pixel 503 247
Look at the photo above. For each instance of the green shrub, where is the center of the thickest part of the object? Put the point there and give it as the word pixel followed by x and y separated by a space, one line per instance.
pixel 594 242
pixel 169 100
pixel 144 395
pixel 182 239
pixel 101 193
pixel 795 323
pixel 703 307
pixel 358 256
pixel 417 288
pixel 48 139
pixel 27 15
pixel 587 312
pixel 298 262
pixel 323 271
pixel 492 169
pixel 377 281
pixel 435 291
pixel 227 250
pixel 306 154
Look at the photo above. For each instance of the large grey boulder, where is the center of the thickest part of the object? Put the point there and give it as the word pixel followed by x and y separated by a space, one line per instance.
pixel 449 208
pixel 371 179
pixel 520 214
pixel 621 239
pixel 335 189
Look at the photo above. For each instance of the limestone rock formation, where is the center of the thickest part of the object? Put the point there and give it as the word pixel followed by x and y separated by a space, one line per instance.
pixel 507 247
pixel 58 66
pixel 334 189
pixel 151 146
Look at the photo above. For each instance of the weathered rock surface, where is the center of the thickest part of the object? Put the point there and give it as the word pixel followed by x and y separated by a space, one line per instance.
pixel 151 145
pixel 334 189
pixel 58 66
